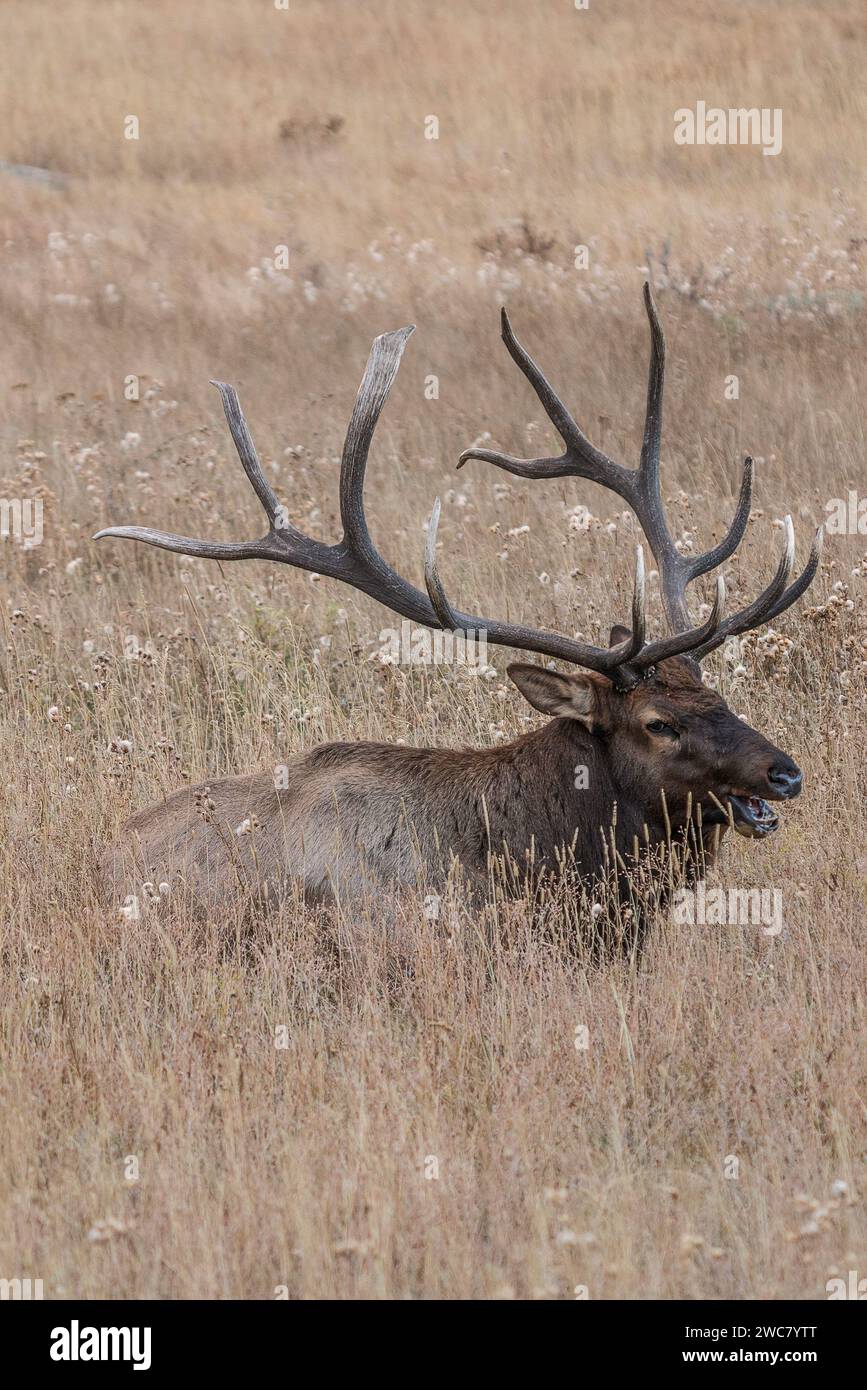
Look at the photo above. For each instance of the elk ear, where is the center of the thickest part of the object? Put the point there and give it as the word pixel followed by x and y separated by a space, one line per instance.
pixel 571 697
pixel 618 634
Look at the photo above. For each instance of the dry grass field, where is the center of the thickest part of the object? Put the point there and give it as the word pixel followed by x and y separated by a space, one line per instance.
pixel 226 1111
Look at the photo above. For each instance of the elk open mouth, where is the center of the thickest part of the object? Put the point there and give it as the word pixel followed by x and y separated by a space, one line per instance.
pixel 752 816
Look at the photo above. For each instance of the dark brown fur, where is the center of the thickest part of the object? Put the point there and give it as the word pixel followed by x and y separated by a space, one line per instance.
pixel 363 816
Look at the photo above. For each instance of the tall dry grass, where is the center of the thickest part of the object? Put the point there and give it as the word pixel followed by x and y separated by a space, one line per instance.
pixel 307 1166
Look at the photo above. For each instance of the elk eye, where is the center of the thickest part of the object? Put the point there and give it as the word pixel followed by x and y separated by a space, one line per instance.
pixel 659 726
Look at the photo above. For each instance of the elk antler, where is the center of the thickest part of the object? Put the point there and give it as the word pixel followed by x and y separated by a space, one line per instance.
pixel 355 560
pixel 640 488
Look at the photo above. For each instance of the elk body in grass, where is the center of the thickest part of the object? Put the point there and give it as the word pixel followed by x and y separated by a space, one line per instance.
pixel 665 757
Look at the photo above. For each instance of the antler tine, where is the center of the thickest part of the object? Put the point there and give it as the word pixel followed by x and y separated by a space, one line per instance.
pixel 736 532
pixel 624 671
pixel 757 611
pixel 433 583
pixel 611 661
pixel 246 449
pixel 639 487
pixel 379 376
pixel 638 601
pixel 580 458
pixel 354 560
pixel 681 643
pixel 262 549
pixel 266 548
pixel 649 461
pixel 804 580
pixel 219 550
pixel 647 501
pixel 769 606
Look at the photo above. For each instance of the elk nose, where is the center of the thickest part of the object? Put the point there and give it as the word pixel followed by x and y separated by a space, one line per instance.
pixel 786 778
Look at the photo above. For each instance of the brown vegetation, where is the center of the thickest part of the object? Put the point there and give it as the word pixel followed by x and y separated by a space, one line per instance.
pixel 126 672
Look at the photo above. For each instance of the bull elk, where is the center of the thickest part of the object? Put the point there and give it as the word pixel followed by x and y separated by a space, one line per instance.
pixel 663 753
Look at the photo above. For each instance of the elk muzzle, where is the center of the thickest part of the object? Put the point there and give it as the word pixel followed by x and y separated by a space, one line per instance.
pixel 752 816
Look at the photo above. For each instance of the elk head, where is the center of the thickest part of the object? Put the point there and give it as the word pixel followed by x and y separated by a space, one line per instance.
pixel 671 733
pixel 664 729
